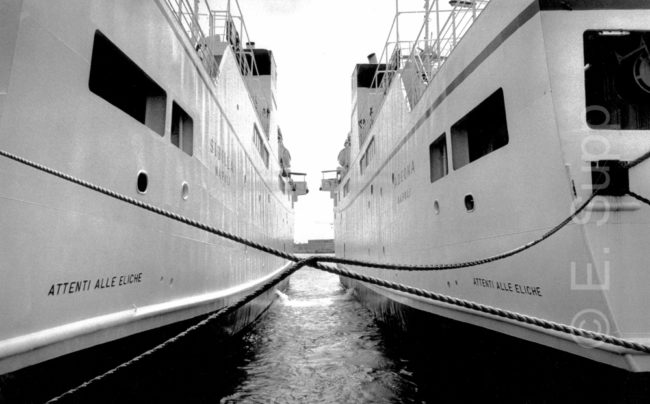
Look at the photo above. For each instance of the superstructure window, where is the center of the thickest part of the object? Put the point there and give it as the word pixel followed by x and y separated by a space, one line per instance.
pixel 617 79
pixel 118 80
pixel 259 145
pixel 182 130
pixel 367 156
pixel 480 132
pixel 438 158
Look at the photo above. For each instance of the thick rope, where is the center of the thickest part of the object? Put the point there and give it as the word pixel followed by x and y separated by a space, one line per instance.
pixel 316 263
pixel 282 254
pixel 639 197
pixel 636 161
pixel 465 264
pixel 212 317
pixel 313 262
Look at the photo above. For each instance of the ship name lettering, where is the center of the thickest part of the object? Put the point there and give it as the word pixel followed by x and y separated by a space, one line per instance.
pixel 224 166
pixel 404 196
pixel 403 173
pixel 221 155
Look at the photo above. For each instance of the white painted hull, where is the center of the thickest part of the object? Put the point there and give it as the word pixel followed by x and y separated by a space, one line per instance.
pixel 78 268
pixel 593 273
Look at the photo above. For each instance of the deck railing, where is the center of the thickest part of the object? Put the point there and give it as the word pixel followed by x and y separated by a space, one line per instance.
pixel 420 59
pixel 224 24
pixel 187 16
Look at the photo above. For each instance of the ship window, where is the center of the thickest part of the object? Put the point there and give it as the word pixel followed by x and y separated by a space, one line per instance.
pixel 182 129
pixel 438 158
pixel 259 145
pixel 617 79
pixel 118 80
pixel 367 156
pixel 480 132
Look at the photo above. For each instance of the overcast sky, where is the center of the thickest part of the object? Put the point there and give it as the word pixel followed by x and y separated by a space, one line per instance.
pixel 316 44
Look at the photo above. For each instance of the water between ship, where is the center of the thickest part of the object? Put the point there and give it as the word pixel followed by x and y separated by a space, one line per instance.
pixel 318 344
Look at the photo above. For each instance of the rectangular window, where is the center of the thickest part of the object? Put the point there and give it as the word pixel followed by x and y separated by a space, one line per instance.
pixel 367 156
pixel 182 130
pixel 480 132
pixel 118 80
pixel 259 145
pixel 617 79
pixel 438 158
pixel 346 188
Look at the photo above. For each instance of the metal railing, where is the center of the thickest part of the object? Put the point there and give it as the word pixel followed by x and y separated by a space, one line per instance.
pixel 225 25
pixel 187 16
pixel 420 59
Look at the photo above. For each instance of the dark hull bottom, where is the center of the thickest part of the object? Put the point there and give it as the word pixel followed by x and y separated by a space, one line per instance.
pixel 454 361
pixel 46 380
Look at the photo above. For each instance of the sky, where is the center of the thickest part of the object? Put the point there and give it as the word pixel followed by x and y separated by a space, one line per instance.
pixel 316 44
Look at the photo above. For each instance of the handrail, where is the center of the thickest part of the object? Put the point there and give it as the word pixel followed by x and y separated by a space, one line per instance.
pixel 423 57
pixel 226 26
pixel 187 17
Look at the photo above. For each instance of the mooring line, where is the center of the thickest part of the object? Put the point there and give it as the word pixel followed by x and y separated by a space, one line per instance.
pixel 283 254
pixel 317 262
pixel 221 313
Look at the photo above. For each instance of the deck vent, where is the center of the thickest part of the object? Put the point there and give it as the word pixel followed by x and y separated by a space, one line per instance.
pixel 609 177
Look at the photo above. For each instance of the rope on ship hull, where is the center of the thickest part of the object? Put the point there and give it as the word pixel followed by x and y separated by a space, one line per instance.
pixel 317 262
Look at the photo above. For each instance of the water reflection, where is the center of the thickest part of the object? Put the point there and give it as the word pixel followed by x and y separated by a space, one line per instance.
pixel 319 345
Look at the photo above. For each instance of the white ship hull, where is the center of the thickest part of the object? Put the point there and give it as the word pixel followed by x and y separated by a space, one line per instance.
pixel 78 268
pixel 593 273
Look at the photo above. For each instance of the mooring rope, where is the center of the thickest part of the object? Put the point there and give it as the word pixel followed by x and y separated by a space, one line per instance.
pixel 313 262
pixel 317 262
pixel 283 254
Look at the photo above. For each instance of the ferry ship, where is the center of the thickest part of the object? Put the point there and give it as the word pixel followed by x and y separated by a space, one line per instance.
pixel 482 133
pixel 167 102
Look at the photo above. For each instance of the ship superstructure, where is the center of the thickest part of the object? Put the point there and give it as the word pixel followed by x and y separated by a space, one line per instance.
pixel 490 128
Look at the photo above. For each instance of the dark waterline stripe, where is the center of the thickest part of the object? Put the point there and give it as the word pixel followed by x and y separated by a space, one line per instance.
pixel 569 5
pixel 523 17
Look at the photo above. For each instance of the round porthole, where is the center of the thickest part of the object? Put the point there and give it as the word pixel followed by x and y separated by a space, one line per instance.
pixel 142 182
pixel 185 191
pixel 436 207
pixel 469 203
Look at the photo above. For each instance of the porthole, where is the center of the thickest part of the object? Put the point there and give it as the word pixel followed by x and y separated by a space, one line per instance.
pixel 142 182
pixel 185 191
pixel 469 203
pixel 436 207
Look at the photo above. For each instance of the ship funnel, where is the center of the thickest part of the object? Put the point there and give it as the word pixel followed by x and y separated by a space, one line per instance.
pixel 372 58
pixel 250 45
